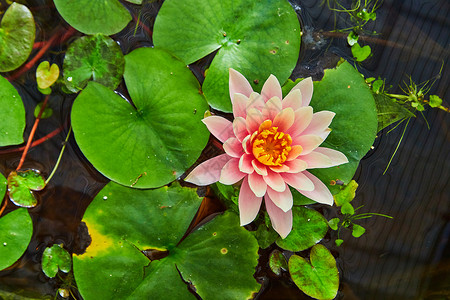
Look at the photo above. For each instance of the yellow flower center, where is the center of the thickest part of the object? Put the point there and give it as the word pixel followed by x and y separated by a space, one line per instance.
pixel 271 147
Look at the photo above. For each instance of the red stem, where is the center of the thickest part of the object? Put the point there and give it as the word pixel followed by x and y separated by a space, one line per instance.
pixel 3 206
pixel 35 143
pixel 33 130
pixel 150 33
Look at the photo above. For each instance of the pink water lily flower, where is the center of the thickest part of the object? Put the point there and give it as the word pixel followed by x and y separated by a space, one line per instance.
pixel 270 144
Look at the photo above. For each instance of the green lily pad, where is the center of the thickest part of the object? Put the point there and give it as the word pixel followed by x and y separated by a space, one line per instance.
pixel 90 17
pixel 3 184
pixel 17 33
pixel 346 194
pixel 308 228
pixel 46 75
pixel 152 142
pixel 257 38
pixel 16 229
pixel 361 53
pixel 153 222
pixel 97 58
pixel 344 91
pixel 54 258
pixel 12 115
pixel 389 111
pixel 21 185
pixel 277 262
pixel 318 278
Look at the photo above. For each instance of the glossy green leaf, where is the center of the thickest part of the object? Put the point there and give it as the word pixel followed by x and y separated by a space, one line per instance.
pixel 135 1
pixel 361 53
pixel 339 242
pixel 54 258
pixel 352 38
pixel 358 230
pixel 21 185
pixel 435 101
pixel 344 92
pixel 12 115
pixel 16 229
pixel 90 17
pixel 347 209
pixel 46 75
pixel 318 278
pixel 257 38
pixel 17 33
pixel 3 184
pixel 154 221
pixel 277 262
pixel 152 142
pixel 97 58
pixel 346 194
pixel 308 228
pixel 389 112
pixel 333 223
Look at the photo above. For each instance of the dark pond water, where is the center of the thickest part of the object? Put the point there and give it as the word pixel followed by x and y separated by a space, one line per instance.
pixel 404 258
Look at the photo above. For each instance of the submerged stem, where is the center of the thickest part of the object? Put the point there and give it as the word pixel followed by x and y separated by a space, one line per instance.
pixel 398 145
pixel 59 157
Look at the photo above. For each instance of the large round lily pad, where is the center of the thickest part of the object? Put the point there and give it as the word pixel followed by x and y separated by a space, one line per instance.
pixel 344 92
pixel 154 140
pixel 12 115
pixel 98 58
pixel 124 223
pixel 257 38
pixel 90 17
pixel 16 229
pixel 17 33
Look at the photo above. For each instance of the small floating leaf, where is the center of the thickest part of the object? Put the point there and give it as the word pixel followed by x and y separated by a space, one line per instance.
pixel 389 112
pixel 47 113
pixel 361 53
pixel 358 230
pixel 97 58
pixel 346 194
pixel 435 101
pixel 46 75
pixel 318 278
pixel 339 242
pixel 308 228
pixel 347 209
pixel 21 185
pixel 12 114
pixel 90 17
pixel 352 38
pixel 277 262
pixel 333 223
pixel 15 235
pixel 17 33
pixel 54 258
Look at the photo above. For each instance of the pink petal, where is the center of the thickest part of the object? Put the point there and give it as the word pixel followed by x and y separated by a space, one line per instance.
pixel 298 181
pixel 255 101
pixel 271 108
pixel 230 173
pixel 233 147
pixel 275 181
pixel 316 160
pixel 296 165
pixel 281 221
pixel 337 157
pixel 240 105
pixel 249 203
pixel 320 193
pixel 308 143
pixel 280 169
pixel 245 164
pixel 271 88
pixel 257 184
pixel 320 122
pixel 284 119
pixel 283 200
pixel 246 145
pixel 240 128
pixel 302 119
pixel 208 172
pixel 306 87
pixel 293 100
pixel 239 84
pixel 259 167
pixel 253 120
pixel 220 127
pixel 294 153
